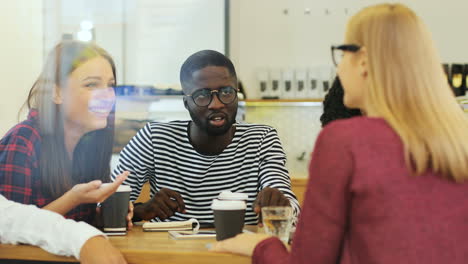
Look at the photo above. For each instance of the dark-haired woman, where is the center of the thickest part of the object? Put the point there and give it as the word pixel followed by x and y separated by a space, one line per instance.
pixel 333 106
pixel 58 157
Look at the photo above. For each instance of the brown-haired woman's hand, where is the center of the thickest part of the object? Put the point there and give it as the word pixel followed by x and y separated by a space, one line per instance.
pixel 92 192
pixel 85 193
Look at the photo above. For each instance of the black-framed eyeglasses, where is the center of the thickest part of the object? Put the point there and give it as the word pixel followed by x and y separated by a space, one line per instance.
pixel 337 51
pixel 203 97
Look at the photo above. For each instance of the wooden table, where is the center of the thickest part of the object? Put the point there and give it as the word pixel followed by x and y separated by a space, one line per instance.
pixel 140 247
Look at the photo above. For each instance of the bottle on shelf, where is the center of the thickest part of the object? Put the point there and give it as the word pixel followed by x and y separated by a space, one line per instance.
pixel 458 79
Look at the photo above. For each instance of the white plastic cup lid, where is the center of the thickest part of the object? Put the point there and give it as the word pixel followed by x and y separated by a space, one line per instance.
pixel 228 195
pixel 122 188
pixel 228 205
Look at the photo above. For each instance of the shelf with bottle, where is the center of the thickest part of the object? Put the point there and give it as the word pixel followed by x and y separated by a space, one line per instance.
pixel 457 77
pixel 146 93
pixel 463 101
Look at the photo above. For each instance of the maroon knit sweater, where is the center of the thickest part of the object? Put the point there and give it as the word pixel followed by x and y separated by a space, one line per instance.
pixel 362 206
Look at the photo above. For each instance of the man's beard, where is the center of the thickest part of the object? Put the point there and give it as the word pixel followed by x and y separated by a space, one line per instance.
pixel 212 130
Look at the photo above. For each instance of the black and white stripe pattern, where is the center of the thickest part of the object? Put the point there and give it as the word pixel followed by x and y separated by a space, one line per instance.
pixel 162 154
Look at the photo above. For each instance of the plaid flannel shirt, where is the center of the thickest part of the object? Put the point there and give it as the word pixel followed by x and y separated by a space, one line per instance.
pixel 20 177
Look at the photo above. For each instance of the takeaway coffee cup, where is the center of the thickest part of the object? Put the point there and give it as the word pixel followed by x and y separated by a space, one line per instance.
pixel 228 218
pixel 115 209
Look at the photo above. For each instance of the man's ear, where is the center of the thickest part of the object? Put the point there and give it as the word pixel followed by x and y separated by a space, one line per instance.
pixel 57 97
pixel 185 102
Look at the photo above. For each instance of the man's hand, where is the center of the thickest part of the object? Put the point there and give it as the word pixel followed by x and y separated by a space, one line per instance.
pixel 98 250
pixel 269 197
pixel 163 205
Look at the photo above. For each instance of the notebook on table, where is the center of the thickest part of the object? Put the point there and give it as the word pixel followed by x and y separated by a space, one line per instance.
pixel 189 225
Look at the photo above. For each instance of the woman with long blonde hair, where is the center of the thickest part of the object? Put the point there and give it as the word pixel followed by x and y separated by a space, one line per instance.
pixel 389 187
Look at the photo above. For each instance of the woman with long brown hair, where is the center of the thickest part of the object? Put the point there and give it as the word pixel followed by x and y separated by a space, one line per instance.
pixel 67 138
pixel 389 187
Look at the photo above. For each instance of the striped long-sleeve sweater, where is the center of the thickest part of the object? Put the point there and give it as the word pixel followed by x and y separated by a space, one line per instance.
pixel 162 154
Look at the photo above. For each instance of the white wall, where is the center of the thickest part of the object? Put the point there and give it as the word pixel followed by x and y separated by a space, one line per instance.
pixel 21 56
pixel 262 35
pixel 161 34
pixel 148 39
pixel 108 17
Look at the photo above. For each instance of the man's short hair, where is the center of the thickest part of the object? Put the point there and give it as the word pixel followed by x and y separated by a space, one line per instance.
pixel 202 59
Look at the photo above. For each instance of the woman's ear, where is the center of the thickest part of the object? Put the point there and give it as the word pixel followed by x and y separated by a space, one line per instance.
pixel 57 98
pixel 363 63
